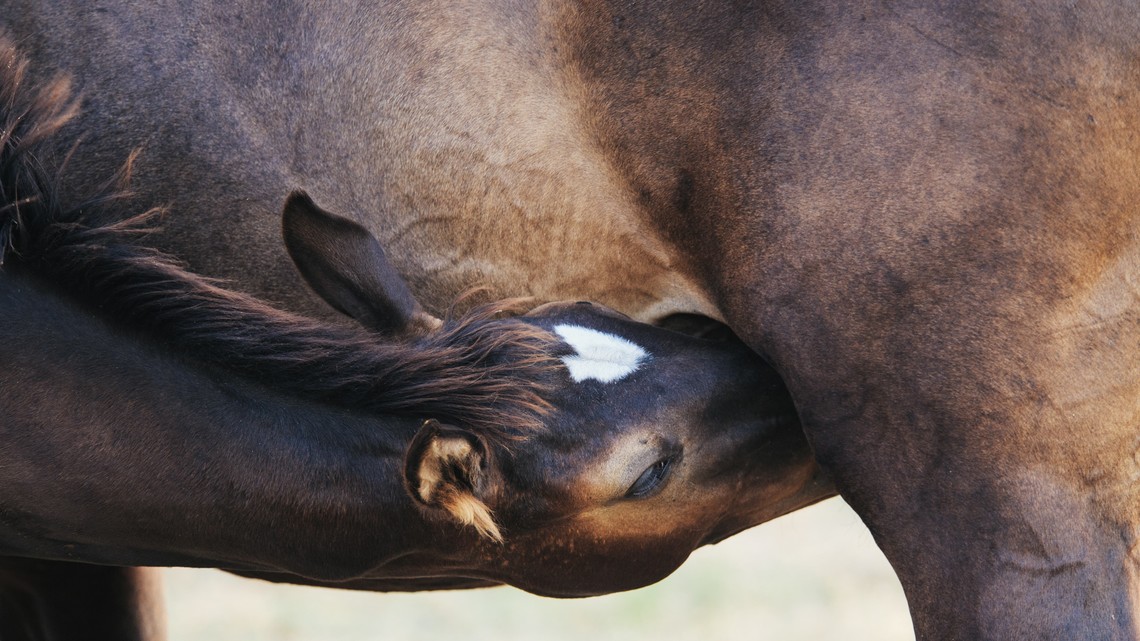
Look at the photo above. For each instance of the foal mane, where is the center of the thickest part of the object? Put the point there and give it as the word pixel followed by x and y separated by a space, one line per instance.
pixel 481 371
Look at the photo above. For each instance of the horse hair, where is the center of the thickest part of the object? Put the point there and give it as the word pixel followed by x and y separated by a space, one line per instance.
pixel 480 371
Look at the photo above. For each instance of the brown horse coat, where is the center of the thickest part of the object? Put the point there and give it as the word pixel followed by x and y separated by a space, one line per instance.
pixel 923 214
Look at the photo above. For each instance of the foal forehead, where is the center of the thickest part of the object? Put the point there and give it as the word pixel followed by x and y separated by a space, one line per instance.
pixel 599 355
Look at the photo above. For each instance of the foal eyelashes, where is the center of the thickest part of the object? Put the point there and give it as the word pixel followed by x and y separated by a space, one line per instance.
pixel 600 356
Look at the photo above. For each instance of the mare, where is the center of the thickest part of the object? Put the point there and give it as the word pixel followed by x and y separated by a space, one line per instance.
pixel 923 214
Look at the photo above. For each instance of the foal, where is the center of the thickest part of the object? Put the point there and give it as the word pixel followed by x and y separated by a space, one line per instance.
pixel 151 417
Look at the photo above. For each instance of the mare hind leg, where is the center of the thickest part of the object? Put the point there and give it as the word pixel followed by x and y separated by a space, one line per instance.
pixel 59 601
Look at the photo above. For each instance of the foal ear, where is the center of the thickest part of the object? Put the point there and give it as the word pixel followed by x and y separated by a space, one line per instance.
pixel 445 469
pixel 344 264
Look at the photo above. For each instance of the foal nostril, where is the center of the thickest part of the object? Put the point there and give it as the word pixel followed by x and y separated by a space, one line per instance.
pixel 583 302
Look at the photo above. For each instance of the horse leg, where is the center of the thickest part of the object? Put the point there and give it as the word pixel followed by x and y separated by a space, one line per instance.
pixel 1030 555
pixel 61 601
pixel 955 306
pixel 998 474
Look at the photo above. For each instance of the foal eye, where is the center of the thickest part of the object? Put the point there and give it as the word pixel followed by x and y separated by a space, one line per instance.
pixel 650 479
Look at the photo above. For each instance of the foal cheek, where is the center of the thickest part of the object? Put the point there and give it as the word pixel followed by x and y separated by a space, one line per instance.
pixel 668 520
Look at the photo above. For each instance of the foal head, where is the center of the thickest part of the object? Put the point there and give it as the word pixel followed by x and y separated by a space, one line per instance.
pixel 656 442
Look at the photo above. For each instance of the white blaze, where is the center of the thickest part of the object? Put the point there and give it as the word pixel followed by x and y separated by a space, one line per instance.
pixel 601 356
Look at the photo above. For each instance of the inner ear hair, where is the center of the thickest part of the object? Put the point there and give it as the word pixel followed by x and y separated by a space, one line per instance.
pixel 469 510
pixel 444 471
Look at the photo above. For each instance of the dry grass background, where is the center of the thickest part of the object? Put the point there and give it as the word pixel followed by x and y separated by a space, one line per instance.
pixel 813 575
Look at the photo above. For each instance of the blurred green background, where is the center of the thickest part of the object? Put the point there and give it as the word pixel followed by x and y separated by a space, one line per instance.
pixel 813 575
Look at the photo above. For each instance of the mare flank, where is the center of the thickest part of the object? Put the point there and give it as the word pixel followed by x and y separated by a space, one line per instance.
pixel 150 417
